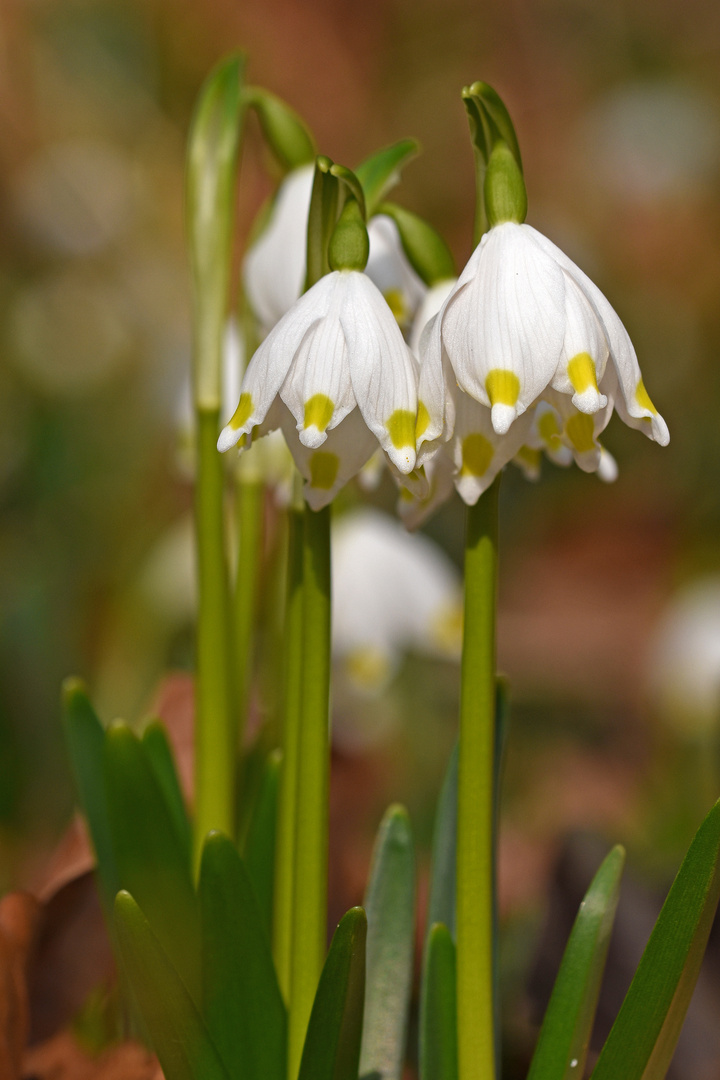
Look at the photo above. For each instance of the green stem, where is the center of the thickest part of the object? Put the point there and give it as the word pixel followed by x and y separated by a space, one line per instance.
pixel 287 794
pixel 475 831
pixel 249 496
pixel 311 852
pixel 215 729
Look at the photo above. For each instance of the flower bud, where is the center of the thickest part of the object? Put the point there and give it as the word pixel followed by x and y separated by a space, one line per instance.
pixel 286 134
pixel 349 244
pixel 504 187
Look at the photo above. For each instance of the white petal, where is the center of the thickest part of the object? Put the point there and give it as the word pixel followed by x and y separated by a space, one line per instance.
pixel 274 270
pixel 317 389
pixel 382 370
pixel 271 362
pixel 434 299
pixel 479 452
pixel 388 268
pixel 634 406
pixel 607 469
pixel 342 455
pixel 584 352
pixel 439 471
pixel 436 393
pixel 508 316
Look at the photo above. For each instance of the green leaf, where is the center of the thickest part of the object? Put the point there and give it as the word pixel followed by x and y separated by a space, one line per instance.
pixel 259 850
pixel 242 1003
pixel 285 132
pixel 179 1036
pixel 438 1008
pixel 642 1041
pixel 426 251
pixel 381 171
pixel 332 1043
pixel 159 754
pixel 390 906
pixel 441 905
pixel 562 1046
pixel 85 740
pixel 151 859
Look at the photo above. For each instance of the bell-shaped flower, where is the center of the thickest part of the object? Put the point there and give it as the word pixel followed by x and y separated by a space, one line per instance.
pixel 338 351
pixel 523 320
pixel 392 593
pixel 275 264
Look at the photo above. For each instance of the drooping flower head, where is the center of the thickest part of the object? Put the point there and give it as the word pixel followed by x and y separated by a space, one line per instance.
pixel 525 352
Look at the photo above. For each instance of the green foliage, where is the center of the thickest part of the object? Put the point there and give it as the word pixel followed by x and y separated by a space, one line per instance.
pixel 390 906
pixel 565 1035
pixel 152 860
pixel 642 1041
pixel 438 1007
pixel 179 1035
pixel 242 1004
pixel 332 1044
pixel 381 171
pixel 160 756
pixel 259 847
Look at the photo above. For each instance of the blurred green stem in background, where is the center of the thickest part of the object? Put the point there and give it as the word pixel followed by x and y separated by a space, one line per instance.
pixel 476 796
pixel 249 502
pixel 212 164
pixel 287 795
pixel 311 798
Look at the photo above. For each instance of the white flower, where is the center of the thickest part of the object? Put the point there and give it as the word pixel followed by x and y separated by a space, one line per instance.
pixel 338 362
pixel 392 593
pixel 684 660
pixel 274 270
pixel 275 264
pixel 524 320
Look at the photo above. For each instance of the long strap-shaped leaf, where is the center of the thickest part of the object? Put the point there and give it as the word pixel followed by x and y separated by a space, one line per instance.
pixel 332 1044
pixel 242 1003
pixel 151 858
pixel 642 1041
pixel 441 905
pixel 562 1046
pixel 390 906
pixel 259 849
pixel 180 1038
pixel 162 761
pixel 438 1008
pixel 85 740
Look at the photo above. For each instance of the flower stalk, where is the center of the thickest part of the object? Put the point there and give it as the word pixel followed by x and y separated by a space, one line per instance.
pixel 211 174
pixel 476 796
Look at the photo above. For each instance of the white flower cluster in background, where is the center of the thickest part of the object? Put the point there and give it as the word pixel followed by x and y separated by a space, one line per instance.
pixel 521 356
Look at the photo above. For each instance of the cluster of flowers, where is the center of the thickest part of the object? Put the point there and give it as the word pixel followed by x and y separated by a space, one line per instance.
pixel 522 354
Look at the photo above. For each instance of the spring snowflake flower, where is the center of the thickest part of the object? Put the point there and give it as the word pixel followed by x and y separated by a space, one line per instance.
pixel 524 320
pixel 274 268
pixel 392 593
pixel 338 362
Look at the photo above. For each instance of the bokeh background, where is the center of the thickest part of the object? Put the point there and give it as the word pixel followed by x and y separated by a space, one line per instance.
pixel 617 107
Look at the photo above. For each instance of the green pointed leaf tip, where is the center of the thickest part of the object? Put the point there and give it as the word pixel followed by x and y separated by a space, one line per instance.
pixel 213 148
pixel 563 1042
pixel 380 172
pixel 438 1007
pixel 152 861
pixel 390 906
pixel 85 741
pixel 332 1044
pixel 349 244
pixel 642 1041
pixel 426 251
pixel 179 1036
pixel 242 1003
pixel 504 187
pixel 286 133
